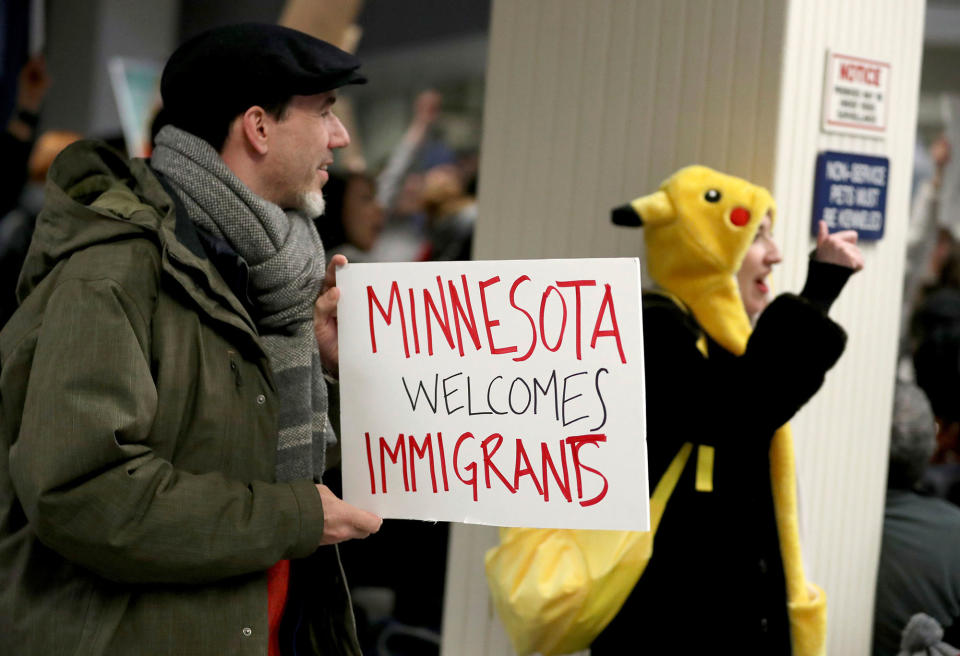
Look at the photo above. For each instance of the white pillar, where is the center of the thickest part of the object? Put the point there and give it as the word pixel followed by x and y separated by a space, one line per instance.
pixel 842 435
pixel 590 104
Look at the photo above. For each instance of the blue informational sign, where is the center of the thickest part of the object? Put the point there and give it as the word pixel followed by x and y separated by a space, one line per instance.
pixel 850 193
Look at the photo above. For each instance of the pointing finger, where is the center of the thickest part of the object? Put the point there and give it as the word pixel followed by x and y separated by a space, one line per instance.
pixel 857 260
pixel 849 236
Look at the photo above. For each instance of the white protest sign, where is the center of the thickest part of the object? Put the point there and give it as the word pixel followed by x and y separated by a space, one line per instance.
pixel 506 393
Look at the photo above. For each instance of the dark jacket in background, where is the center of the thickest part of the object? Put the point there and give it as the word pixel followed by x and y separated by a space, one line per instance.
pixel 919 569
pixel 138 436
pixel 716 581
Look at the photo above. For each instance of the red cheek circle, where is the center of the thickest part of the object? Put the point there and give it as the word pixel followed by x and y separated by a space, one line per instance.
pixel 740 216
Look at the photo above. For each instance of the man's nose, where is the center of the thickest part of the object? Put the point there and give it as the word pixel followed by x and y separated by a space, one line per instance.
pixel 339 137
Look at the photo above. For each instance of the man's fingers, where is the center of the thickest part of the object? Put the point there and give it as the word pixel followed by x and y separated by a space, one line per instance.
pixel 366 523
pixel 343 521
pixel 326 304
pixel 325 328
pixel 822 233
pixel 330 280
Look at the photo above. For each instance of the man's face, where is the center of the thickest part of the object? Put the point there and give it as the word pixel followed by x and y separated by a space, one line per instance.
pixel 301 147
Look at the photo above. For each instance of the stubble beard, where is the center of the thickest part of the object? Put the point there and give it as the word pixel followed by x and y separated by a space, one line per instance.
pixel 312 203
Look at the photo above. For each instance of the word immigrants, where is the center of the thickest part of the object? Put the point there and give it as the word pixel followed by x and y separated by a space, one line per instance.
pixel 478 463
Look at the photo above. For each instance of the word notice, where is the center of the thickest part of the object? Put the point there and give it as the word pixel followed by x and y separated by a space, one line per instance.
pixel 856 95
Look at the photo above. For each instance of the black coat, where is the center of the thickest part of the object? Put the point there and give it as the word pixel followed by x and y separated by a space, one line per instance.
pixel 716 580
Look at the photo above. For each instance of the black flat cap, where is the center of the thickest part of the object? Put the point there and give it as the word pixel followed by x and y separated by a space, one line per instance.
pixel 223 71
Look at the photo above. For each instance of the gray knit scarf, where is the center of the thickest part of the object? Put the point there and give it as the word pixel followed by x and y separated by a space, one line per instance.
pixel 286 262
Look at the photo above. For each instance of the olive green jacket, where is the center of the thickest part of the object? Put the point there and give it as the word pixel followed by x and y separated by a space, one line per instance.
pixel 138 433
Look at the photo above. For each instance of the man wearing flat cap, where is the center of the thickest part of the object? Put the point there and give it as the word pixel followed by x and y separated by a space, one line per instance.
pixel 163 385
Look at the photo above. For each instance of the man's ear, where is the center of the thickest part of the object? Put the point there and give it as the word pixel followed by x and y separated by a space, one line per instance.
pixel 255 128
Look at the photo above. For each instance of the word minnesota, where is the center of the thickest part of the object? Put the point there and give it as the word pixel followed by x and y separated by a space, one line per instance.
pixel 458 320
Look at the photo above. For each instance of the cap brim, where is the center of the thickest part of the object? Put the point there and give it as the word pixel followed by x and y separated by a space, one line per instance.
pixel 343 79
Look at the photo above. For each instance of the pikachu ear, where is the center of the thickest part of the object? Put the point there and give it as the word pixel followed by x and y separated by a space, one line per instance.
pixel 655 209
pixel 625 216
pixel 650 210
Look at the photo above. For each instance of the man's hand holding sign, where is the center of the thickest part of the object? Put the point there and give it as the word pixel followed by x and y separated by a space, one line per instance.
pixel 506 393
pixel 340 521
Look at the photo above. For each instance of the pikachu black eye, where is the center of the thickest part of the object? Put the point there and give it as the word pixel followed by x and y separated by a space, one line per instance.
pixel 712 196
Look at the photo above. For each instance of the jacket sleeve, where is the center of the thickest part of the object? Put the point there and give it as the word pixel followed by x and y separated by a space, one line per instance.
pixel 88 478
pixel 733 401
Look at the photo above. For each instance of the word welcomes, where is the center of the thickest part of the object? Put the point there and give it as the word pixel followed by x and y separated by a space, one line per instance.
pixel 506 393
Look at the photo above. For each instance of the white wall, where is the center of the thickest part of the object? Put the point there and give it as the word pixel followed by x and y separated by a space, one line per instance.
pixel 590 104
pixel 842 435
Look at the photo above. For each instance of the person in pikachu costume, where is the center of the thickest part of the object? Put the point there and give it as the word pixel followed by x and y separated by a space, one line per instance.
pixel 726 573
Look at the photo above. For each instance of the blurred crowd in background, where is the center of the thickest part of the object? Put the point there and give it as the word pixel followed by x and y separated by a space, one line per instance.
pixel 919 570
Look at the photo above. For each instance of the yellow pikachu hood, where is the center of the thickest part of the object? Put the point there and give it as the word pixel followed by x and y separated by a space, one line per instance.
pixel 697 229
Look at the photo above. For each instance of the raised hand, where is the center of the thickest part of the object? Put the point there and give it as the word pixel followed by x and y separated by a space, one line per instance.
pixel 838 248
pixel 426 107
pixel 33 84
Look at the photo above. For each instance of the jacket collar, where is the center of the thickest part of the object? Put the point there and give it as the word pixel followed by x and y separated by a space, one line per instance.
pixel 186 261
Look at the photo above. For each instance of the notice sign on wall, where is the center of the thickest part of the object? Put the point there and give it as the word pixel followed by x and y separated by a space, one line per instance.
pixel 850 193
pixel 506 393
pixel 855 95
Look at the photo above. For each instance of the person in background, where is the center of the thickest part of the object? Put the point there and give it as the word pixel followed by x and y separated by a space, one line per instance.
pixel 353 219
pixel 935 346
pixel 717 579
pixel 451 214
pixel 919 569
pixel 16 142
pixel 929 244
pixel 163 384
pixel 16 228
pixel 426 111
pixel 400 185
